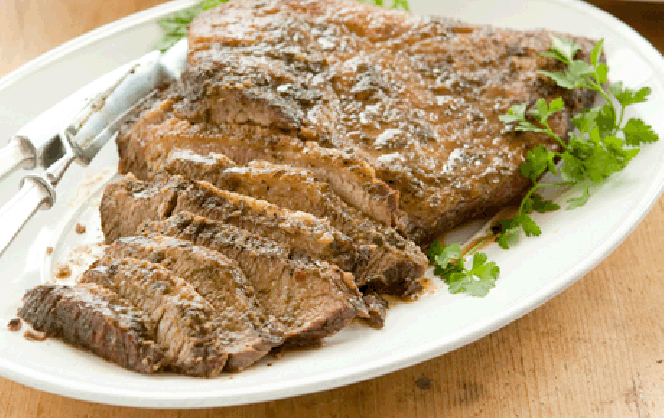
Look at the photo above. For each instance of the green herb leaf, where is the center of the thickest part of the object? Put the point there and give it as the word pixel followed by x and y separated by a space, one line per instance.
pixel 509 233
pixel 478 260
pixel 541 205
pixel 562 49
pixel 602 73
pixel 597 52
pixel 530 228
pixel 435 249
pixel 627 96
pixel 564 80
pixel 401 4
pixel 537 162
pixel 450 266
pixel 529 127
pixel 637 132
pixel 543 111
pixel 516 113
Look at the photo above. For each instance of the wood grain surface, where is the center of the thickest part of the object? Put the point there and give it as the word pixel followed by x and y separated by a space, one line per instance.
pixel 597 349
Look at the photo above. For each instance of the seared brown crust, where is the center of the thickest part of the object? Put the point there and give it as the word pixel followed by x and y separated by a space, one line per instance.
pixel 181 315
pixel 309 299
pixel 97 319
pixel 238 322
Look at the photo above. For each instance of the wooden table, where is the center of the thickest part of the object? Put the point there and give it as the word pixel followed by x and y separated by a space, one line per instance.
pixel 596 349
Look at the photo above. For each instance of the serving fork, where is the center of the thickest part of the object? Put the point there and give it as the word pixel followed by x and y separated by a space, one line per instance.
pixel 81 139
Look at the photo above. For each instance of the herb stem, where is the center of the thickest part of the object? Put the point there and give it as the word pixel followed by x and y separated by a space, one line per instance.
pixel 556 137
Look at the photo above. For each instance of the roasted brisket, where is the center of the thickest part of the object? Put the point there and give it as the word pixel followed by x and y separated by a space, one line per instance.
pixel 383 261
pixel 282 184
pixel 181 315
pixel 97 319
pixel 397 112
pixel 308 299
pixel 238 322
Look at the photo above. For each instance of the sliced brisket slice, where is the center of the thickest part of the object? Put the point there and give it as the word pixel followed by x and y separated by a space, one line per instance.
pixel 306 234
pixel 181 315
pixel 238 322
pixel 383 261
pixel 309 299
pixel 96 319
pixel 392 263
pixel 126 203
pixel 144 146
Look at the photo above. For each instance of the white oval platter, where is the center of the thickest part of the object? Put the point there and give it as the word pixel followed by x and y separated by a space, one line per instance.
pixel 573 242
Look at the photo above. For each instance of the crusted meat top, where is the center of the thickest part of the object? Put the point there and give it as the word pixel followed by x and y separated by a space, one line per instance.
pixel 419 96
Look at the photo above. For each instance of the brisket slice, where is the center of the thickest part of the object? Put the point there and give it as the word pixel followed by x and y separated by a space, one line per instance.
pixel 97 319
pixel 238 322
pixel 144 146
pixel 384 268
pixel 309 299
pixel 181 315
pixel 416 98
pixel 307 235
pixel 392 262
pixel 127 201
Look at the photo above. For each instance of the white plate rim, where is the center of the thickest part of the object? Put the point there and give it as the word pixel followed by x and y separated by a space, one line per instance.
pixel 270 391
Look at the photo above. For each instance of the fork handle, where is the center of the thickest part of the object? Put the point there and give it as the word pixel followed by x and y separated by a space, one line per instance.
pixel 18 153
pixel 35 193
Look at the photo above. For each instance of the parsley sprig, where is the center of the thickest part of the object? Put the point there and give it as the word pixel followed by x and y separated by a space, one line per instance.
pixel 601 146
pixel 451 264
pixel 175 26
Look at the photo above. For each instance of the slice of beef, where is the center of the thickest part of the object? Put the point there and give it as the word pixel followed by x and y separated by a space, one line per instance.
pixel 392 262
pixel 126 201
pixel 306 234
pixel 151 112
pixel 239 95
pixel 309 299
pixel 144 146
pixel 238 322
pixel 387 263
pixel 96 319
pixel 181 315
